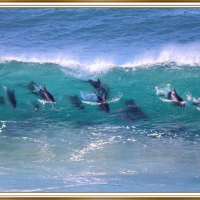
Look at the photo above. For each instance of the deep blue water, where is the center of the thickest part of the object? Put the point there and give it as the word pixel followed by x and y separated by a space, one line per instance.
pixel 137 54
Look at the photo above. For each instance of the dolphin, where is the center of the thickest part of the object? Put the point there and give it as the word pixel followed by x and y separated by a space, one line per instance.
pixel 130 111
pixel 103 105
pixel 76 101
pixel 95 84
pixel 178 101
pixel 11 97
pixel 131 107
pixel 46 95
pixel 101 91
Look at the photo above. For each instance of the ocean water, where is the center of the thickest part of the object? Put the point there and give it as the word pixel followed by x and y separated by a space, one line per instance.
pixel 138 55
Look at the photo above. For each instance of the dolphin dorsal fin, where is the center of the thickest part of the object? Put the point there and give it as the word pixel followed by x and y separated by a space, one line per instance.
pixel 44 88
pixel 174 90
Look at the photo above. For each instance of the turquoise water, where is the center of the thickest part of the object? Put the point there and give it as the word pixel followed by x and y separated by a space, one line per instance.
pixel 136 54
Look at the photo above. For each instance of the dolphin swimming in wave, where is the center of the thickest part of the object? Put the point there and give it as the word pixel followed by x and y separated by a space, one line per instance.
pixel 131 107
pixel 76 101
pixel 130 112
pixel 103 105
pixel 101 95
pixel 42 91
pixel 47 95
pixel 170 96
pixel 101 91
pixel 11 97
pixel 178 101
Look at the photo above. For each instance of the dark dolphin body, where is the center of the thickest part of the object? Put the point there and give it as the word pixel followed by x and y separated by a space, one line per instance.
pixel 132 108
pixel 46 95
pixel 95 84
pixel 130 112
pixel 76 101
pixel 103 105
pixel 11 98
pixel 37 90
pixel 102 95
pixel 101 91
pixel 178 101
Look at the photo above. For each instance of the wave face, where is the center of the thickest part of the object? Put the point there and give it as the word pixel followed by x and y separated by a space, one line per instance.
pixel 139 55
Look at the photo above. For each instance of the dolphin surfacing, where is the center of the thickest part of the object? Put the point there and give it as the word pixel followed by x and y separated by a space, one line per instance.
pixel 101 91
pixel 47 95
pixel 178 101
pixel 101 95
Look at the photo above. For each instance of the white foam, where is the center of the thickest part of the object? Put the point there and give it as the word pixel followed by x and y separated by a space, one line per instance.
pixel 46 102
pixel 192 99
pixel 165 100
pixel 172 55
pixel 119 96
pixel 65 61
pixel 91 103
pixel 196 100
pixel 189 97
pixel 100 65
pixel 128 172
pixel 3 125
pixel 93 146
pixel 91 98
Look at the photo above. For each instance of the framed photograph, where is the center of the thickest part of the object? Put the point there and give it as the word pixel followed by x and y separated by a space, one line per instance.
pixel 100 99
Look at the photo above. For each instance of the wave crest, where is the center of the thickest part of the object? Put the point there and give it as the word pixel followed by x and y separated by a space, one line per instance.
pixel 172 55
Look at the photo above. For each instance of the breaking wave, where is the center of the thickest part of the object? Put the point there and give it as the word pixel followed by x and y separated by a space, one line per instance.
pixel 172 55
